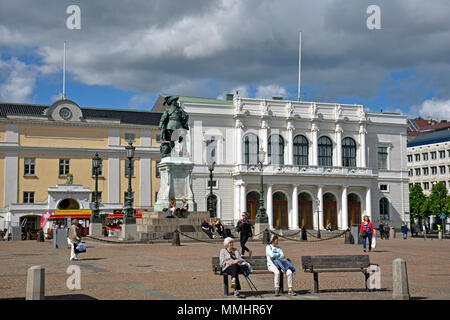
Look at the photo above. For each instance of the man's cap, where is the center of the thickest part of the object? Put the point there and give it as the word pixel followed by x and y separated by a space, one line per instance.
pixel 169 99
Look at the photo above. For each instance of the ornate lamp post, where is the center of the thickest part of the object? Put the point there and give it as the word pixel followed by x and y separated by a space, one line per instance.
pixel 96 163
pixel 129 217
pixel 211 198
pixel 261 216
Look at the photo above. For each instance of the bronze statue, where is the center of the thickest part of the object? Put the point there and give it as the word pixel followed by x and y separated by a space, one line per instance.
pixel 173 118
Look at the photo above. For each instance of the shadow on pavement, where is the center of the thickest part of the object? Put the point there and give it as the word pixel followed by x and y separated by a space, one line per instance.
pixel 90 259
pixel 352 290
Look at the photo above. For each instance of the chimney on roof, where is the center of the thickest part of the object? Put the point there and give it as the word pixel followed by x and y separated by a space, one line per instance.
pixel 277 98
pixel 230 96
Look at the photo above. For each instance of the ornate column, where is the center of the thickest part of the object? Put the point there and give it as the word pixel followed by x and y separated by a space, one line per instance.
pixel 290 129
pixel 369 202
pixel 320 209
pixel 239 142
pixel 362 142
pixel 339 145
pixel 294 208
pixel 315 153
pixel 344 211
pixel 243 199
pixel 269 202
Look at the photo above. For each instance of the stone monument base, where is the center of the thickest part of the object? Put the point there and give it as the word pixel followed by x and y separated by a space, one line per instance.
pixel 95 229
pixel 259 229
pixel 128 232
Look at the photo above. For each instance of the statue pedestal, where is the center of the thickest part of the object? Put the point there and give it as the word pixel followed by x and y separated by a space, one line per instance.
pixel 95 229
pixel 176 182
pixel 128 232
pixel 259 228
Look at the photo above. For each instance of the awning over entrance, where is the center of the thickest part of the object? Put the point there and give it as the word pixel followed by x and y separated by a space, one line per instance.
pixel 74 214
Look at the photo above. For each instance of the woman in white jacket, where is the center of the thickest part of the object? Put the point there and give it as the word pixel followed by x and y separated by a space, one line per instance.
pixel 273 251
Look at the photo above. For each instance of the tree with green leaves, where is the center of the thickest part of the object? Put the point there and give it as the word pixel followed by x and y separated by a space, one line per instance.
pixel 417 199
pixel 439 201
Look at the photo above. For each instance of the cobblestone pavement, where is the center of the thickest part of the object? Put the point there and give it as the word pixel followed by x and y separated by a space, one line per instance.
pixel 163 271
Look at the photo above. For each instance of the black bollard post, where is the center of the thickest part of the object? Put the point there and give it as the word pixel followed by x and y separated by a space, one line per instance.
pixel 176 238
pixel 304 236
pixel 40 237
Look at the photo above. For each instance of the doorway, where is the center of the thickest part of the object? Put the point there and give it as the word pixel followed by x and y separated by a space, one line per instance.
pixel 280 208
pixel 354 209
pixel 305 210
pixel 330 211
pixel 252 204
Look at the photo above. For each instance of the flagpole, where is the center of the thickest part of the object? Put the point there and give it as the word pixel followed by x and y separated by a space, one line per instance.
pixel 64 73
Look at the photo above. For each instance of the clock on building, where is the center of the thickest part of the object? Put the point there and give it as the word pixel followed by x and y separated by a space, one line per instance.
pixel 65 113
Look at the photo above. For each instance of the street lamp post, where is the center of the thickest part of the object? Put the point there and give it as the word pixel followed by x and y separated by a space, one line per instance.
pixel 261 216
pixel 129 217
pixel 211 198
pixel 95 223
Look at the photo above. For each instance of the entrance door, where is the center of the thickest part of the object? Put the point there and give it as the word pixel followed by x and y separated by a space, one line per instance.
pixel 252 204
pixel 280 207
pixel 354 209
pixel 330 211
pixel 305 210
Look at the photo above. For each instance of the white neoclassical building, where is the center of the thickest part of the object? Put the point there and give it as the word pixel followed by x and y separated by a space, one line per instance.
pixel 324 163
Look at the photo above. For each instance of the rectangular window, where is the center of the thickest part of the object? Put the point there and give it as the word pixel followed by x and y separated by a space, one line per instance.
pixel 130 137
pixel 426 186
pixel 158 138
pixel 433 170
pixel 99 196
pixel 156 196
pixel 425 156
pixel 417 171
pixel 417 157
pixel 442 170
pixel 29 166
pixel 28 197
pixel 425 171
pixel 433 155
pixel 64 167
pixel 442 154
pixel 448 153
pixel 214 183
pixel 100 169
pixel 410 185
pixel 410 172
pixel 157 170
pixel 382 157
pixel 383 187
pixel 409 158
pixel 211 150
pixel 127 168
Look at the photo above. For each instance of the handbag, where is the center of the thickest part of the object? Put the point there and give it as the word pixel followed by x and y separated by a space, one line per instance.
pixel 374 242
pixel 80 247
pixel 364 234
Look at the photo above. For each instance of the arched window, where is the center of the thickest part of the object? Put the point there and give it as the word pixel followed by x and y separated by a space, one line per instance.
pixel 325 151
pixel 301 151
pixel 276 149
pixel 251 147
pixel 348 152
pixel 384 209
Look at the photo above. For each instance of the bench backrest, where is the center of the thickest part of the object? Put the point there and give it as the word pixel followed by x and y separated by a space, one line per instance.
pixel 257 263
pixel 335 262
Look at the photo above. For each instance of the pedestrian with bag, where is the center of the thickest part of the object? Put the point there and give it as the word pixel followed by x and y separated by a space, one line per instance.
pixel 73 239
pixel 244 227
pixel 366 232
pixel 230 262
pixel 274 252
pixel 404 230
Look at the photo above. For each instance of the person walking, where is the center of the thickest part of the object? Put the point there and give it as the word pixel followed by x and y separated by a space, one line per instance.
pixel 424 231
pixel 381 228
pixel 245 230
pixel 404 230
pixel 366 232
pixel 73 239
pixel 273 251
pixel 386 230
pixel 230 262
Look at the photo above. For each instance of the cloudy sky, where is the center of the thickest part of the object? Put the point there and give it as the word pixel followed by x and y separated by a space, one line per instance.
pixel 127 52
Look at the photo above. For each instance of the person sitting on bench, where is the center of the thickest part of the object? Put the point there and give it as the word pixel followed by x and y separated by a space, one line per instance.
pixel 219 227
pixel 181 212
pixel 230 262
pixel 273 251
pixel 170 213
pixel 206 227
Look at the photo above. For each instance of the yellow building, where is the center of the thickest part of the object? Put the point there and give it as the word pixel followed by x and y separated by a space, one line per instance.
pixel 40 145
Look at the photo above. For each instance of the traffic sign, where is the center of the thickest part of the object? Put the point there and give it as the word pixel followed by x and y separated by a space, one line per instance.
pixel 442 215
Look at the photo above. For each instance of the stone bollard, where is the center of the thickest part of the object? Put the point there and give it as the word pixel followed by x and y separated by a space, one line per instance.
pixel 400 288
pixel 440 235
pixel 36 283
pixel 266 236
pixel 304 236
pixel 176 238
pixel 348 237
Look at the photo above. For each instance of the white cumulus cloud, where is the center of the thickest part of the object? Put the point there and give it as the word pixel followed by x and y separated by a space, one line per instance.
pixel 270 91
pixel 435 108
pixel 20 82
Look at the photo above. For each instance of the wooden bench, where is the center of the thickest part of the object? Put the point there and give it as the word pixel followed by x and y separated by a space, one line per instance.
pixel 259 266
pixel 349 263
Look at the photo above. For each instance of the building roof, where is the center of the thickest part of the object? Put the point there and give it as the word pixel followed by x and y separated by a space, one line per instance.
pixel 159 107
pixel 436 136
pixel 150 118
pixel 420 126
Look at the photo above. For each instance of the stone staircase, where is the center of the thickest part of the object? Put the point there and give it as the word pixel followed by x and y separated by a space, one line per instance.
pixel 155 225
